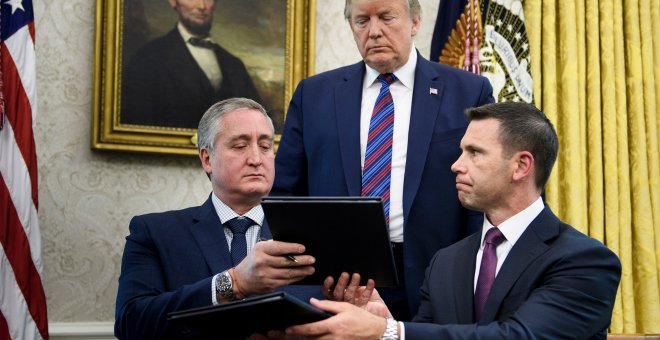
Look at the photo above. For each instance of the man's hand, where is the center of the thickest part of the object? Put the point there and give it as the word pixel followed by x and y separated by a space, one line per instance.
pixel 365 297
pixel 350 322
pixel 266 268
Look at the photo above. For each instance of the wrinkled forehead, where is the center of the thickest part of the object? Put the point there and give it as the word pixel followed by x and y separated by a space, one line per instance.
pixel 246 119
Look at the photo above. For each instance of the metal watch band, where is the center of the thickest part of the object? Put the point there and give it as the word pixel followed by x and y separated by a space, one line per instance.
pixel 391 330
pixel 224 287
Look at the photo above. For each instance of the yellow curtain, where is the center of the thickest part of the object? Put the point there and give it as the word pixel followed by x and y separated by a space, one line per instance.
pixel 596 71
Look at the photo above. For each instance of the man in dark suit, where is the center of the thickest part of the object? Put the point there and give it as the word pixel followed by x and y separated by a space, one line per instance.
pixel 536 278
pixel 325 137
pixel 190 258
pixel 173 79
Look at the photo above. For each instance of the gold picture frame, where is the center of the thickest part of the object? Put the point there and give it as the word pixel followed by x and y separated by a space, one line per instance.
pixel 108 133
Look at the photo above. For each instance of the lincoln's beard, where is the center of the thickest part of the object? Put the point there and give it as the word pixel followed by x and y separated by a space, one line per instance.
pixel 198 29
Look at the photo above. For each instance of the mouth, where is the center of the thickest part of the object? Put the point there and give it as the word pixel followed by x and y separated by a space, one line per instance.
pixel 377 49
pixel 461 185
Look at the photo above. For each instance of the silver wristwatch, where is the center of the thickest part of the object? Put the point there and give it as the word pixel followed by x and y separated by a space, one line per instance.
pixel 224 287
pixel 391 330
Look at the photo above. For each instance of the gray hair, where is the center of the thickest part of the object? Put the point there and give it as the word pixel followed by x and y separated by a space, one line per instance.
pixel 414 9
pixel 210 125
pixel 523 127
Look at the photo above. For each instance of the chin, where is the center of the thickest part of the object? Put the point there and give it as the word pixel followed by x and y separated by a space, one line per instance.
pixel 379 61
pixel 465 202
pixel 257 191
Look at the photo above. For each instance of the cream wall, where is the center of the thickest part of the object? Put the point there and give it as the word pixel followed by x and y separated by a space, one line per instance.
pixel 86 197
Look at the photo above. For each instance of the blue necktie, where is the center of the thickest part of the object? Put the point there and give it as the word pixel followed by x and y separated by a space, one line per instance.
pixel 487 270
pixel 378 156
pixel 238 227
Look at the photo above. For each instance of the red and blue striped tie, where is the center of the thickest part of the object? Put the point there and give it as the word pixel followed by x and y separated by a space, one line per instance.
pixel 378 156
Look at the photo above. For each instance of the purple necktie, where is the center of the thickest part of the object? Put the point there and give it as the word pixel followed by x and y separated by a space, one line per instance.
pixel 238 227
pixel 378 155
pixel 487 270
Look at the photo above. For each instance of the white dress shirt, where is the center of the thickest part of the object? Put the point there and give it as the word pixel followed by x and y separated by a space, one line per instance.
pixel 512 228
pixel 402 91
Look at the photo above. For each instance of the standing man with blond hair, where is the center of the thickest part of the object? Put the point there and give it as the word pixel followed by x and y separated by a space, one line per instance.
pixel 387 126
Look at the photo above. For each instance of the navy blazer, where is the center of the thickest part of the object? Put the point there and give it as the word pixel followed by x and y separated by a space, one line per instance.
pixel 168 263
pixel 319 153
pixel 556 283
pixel 163 85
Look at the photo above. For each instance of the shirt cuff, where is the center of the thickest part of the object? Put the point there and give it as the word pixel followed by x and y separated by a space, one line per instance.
pixel 214 297
pixel 402 331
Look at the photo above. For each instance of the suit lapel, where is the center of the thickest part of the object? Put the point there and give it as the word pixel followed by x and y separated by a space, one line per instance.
pixel 347 106
pixel 464 283
pixel 207 231
pixel 530 245
pixel 423 114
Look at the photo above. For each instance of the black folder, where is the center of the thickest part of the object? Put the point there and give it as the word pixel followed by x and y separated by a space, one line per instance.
pixel 344 234
pixel 239 319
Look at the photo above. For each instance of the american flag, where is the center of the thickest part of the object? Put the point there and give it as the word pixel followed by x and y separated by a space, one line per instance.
pixel 22 298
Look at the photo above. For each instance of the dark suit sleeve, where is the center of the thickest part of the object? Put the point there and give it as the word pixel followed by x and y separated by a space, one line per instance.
pixel 143 301
pixel 573 299
pixel 486 95
pixel 290 161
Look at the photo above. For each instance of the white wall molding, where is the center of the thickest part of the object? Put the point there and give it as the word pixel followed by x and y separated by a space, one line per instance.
pixel 81 330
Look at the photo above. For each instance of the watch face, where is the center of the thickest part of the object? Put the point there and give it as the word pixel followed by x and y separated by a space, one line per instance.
pixel 224 287
pixel 225 282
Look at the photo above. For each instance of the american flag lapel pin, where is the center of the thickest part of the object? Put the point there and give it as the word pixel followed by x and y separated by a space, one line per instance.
pixel 433 91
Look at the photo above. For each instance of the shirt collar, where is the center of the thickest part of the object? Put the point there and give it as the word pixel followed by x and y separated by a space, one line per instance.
pixel 225 213
pixel 405 74
pixel 515 225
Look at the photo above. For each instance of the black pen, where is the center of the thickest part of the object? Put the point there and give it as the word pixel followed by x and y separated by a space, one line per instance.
pixel 288 257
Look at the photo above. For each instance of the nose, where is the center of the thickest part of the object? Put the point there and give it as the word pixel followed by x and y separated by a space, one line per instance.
pixel 254 156
pixel 203 4
pixel 458 165
pixel 375 30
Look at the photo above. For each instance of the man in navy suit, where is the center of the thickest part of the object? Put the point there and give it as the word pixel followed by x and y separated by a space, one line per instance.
pixel 322 150
pixel 185 259
pixel 547 280
pixel 173 79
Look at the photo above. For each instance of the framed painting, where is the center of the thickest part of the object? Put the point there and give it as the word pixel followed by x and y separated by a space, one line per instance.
pixel 159 64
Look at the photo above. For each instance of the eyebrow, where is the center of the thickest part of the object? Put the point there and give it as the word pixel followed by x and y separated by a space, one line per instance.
pixel 470 146
pixel 246 137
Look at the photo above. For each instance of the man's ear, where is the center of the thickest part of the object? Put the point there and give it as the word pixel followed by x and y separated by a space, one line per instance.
pixel 172 3
pixel 205 158
pixel 524 165
pixel 416 23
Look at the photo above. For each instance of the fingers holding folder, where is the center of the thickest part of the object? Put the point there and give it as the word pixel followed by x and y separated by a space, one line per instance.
pixel 272 264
